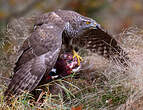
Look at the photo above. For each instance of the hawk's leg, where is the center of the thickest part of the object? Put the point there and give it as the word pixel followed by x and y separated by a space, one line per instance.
pixel 68 44
pixel 79 58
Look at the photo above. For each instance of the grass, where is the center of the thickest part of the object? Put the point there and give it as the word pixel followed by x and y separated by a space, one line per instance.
pixel 102 92
pixel 101 84
pixel 88 96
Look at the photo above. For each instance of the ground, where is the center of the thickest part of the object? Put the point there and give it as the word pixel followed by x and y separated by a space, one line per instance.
pixel 101 84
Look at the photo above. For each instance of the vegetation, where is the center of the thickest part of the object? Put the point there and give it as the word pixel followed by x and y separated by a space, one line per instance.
pixel 101 84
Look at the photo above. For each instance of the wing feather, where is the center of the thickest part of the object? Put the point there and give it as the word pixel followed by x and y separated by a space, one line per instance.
pixel 97 40
pixel 43 50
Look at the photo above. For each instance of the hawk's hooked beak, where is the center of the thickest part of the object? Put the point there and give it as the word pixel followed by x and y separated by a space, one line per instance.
pixel 95 25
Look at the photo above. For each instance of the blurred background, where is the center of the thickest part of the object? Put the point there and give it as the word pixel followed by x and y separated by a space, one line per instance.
pixel 114 15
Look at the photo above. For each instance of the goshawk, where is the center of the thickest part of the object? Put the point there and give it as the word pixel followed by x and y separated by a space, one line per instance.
pixel 41 50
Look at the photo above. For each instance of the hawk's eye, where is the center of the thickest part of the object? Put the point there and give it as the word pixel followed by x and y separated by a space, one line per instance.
pixel 88 22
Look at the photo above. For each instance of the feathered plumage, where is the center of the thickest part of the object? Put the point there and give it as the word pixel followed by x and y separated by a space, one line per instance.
pixel 41 50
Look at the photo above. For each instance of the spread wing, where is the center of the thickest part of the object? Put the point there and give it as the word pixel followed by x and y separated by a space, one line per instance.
pixel 97 40
pixel 40 52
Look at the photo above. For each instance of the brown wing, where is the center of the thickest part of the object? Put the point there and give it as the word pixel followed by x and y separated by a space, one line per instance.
pixel 40 52
pixel 97 40
pixel 26 55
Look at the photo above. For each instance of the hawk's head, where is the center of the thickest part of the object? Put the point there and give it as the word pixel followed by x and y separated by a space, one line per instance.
pixel 76 24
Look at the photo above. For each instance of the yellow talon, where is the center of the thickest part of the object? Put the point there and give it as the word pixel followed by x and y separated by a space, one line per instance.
pixel 79 58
